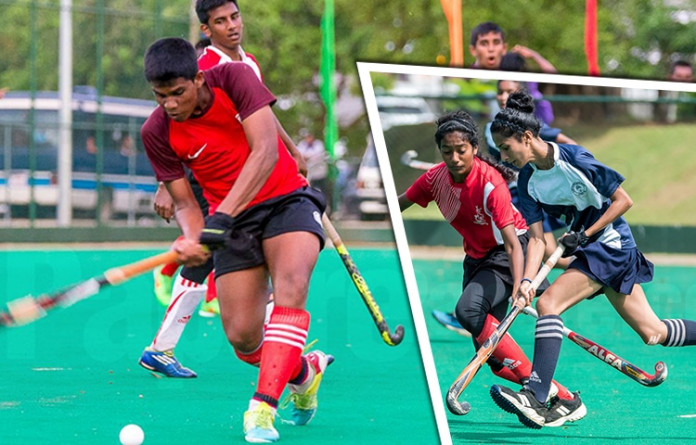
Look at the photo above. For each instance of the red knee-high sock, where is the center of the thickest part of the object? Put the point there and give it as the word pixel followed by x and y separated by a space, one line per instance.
pixel 517 365
pixel 508 352
pixel 253 357
pixel 563 392
pixel 211 293
pixel 285 337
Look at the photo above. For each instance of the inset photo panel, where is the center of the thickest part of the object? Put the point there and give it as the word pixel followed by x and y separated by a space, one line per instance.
pixel 546 226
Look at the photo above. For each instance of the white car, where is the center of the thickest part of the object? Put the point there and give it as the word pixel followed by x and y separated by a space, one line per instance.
pixel 372 202
pixel 397 111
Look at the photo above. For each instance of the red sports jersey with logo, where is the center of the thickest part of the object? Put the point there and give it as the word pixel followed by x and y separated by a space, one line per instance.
pixel 214 145
pixel 212 56
pixel 477 208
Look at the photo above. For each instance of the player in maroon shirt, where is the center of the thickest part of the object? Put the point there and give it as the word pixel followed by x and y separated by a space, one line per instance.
pixel 221 21
pixel 472 193
pixel 265 220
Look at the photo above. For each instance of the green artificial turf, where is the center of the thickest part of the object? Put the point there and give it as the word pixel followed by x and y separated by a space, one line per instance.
pixel 619 410
pixel 73 378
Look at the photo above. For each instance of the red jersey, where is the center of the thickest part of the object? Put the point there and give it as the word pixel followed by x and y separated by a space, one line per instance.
pixel 213 57
pixel 477 208
pixel 214 145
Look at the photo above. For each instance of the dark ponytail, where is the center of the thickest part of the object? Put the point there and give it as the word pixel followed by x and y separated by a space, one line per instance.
pixel 517 117
pixel 506 172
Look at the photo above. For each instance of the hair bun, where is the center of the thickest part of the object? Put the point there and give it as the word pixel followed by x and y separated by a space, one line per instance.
pixel 520 100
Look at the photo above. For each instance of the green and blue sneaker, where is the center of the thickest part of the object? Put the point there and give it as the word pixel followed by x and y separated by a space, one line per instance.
pixel 209 308
pixel 258 424
pixel 449 321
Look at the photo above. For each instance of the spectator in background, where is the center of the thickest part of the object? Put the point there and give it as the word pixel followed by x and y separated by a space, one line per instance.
pixel 317 159
pixel 201 45
pixel 681 71
pixel 91 145
pixel 488 46
pixel 2 92
pixel 514 61
pixel 127 147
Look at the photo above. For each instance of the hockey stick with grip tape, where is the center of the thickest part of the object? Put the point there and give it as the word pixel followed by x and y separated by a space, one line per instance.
pixel 392 339
pixel 488 346
pixel 28 309
pixel 604 355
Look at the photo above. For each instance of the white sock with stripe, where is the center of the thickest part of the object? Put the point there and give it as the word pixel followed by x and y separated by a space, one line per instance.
pixel 186 296
pixel 680 332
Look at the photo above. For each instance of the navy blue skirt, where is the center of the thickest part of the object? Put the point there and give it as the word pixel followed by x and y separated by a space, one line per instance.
pixel 618 269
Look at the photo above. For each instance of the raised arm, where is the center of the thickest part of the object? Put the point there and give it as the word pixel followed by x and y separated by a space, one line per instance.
pixel 563 139
pixel 543 64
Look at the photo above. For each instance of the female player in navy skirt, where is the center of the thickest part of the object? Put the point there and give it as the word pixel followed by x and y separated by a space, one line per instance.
pixel 473 196
pixel 569 183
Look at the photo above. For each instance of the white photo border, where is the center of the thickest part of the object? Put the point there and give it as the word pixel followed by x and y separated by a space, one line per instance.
pixel 364 71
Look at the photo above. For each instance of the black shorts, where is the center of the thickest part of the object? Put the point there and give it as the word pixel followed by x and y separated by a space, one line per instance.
pixel 299 211
pixel 497 261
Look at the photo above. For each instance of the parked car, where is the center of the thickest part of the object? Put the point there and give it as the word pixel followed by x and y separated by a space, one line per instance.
pixel 397 111
pixel 369 189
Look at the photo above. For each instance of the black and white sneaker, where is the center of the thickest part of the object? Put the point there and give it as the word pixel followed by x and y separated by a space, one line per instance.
pixel 563 410
pixel 530 412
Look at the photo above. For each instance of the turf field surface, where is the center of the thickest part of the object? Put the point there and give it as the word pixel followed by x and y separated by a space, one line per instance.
pixel 73 378
pixel 618 409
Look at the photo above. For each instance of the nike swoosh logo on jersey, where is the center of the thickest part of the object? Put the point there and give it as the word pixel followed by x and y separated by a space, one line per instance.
pixel 196 154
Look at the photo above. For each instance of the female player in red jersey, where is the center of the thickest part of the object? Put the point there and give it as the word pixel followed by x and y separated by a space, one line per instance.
pixel 472 193
pixel 265 220
pixel 567 181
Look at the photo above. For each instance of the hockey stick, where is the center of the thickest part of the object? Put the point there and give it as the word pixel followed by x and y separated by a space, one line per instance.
pixel 392 339
pixel 613 360
pixel 409 159
pixel 27 309
pixel 488 346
